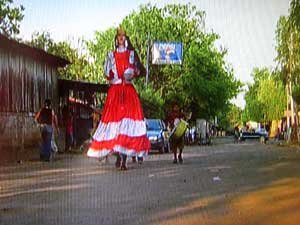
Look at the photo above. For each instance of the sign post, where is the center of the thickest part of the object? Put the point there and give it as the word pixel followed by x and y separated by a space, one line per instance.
pixel 148 59
pixel 167 53
pixel 163 53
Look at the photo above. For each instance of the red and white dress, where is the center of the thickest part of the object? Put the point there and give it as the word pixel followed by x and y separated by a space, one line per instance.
pixel 122 127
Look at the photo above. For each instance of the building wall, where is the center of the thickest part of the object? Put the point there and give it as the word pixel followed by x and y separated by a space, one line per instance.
pixel 24 85
pixel 19 138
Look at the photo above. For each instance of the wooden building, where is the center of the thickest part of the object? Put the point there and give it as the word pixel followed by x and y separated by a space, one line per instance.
pixel 27 77
pixel 82 99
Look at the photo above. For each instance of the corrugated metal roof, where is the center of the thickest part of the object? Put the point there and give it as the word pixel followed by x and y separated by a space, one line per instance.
pixel 32 52
pixel 82 86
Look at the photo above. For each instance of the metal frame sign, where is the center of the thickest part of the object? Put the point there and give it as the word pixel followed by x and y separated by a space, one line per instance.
pixel 167 53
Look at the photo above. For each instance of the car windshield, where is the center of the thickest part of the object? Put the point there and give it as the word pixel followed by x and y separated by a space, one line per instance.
pixel 153 125
pixel 262 130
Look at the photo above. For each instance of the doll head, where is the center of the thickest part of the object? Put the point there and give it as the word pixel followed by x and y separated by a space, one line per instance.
pixel 121 38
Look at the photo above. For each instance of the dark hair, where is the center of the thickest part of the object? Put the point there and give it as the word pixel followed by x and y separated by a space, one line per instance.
pixel 129 44
pixel 47 102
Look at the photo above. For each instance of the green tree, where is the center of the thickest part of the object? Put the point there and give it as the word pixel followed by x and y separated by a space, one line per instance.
pixel 10 18
pixel 174 22
pixel 78 69
pixel 232 118
pixel 288 43
pixel 203 84
pixel 265 99
pixel 208 83
pixel 151 101
pixel 98 48
pixel 288 57
pixel 254 108
pixel 42 40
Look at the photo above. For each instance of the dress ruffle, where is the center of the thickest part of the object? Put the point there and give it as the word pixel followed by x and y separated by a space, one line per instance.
pixel 122 128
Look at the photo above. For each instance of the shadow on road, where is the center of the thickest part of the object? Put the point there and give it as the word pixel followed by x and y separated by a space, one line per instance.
pixel 257 185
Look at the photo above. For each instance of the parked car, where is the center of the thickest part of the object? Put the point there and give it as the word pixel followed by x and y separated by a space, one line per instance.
pixel 157 134
pixel 262 132
pixel 255 134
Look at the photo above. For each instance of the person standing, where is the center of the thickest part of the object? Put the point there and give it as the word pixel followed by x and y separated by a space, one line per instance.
pixel 236 134
pixel 176 142
pixel 69 131
pixel 122 128
pixel 47 119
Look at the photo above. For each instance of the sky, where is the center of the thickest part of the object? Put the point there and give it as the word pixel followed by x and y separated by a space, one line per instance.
pixel 246 27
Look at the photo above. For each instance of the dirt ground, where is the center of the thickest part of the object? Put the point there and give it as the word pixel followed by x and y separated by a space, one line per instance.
pixel 222 184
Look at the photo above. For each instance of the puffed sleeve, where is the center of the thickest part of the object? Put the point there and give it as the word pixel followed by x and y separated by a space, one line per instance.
pixel 132 61
pixel 133 70
pixel 108 66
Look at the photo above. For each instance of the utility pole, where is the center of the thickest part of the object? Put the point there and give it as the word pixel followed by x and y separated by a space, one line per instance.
pixel 148 59
pixel 291 70
pixel 290 101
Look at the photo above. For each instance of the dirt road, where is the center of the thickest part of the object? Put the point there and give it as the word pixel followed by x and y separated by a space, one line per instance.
pixel 226 183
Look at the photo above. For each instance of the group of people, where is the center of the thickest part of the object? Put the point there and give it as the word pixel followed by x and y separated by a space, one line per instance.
pixel 122 128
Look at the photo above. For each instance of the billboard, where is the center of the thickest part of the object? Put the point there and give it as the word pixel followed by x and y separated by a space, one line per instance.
pixel 167 53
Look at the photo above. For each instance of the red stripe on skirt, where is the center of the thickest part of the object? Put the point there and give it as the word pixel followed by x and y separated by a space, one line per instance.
pixel 131 143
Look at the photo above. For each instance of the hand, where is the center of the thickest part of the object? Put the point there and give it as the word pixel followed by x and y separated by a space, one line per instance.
pixel 110 75
pixel 128 73
pixel 131 77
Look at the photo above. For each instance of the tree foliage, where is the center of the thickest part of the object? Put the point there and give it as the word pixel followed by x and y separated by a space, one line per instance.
pixel 265 99
pixel 10 18
pixel 207 83
pixel 232 118
pixel 78 69
pixel 288 58
pixel 98 48
pixel 204 83
pixel 288 47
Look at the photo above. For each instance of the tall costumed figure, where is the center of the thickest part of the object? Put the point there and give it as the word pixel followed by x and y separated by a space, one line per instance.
pixel 122 128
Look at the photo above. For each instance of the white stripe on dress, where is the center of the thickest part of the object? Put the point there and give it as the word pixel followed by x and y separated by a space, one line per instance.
pixel 98 154
pixel 128 127
pixel 129 152
pixel 118 148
